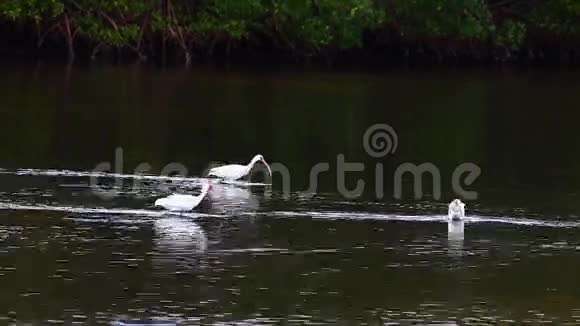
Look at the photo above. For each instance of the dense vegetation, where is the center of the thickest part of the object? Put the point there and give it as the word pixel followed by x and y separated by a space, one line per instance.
pixel 497 30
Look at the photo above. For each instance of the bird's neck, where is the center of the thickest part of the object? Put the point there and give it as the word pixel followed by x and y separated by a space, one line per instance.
pixel 251 164
pixel 204 191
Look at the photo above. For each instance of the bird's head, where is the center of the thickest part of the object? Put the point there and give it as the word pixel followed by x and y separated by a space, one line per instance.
pixel 206 187
pixel 260 158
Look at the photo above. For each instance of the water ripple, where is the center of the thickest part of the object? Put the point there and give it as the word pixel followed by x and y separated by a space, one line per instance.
pixel 329 215
pixel 101 211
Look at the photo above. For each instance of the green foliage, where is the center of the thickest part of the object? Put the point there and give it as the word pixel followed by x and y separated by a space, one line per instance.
pixel 110 22
pixel 30 9
pixel 510 34
pixel 558 16
pixel 302 26
pixel 456 19
pixel 102 31
pixel 231 18
pixel 328 22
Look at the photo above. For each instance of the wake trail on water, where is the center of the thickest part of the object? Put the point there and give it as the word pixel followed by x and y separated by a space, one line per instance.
pixel 475 219
pixel 101 211
pixel 327 215
pixel 522 221
pixel 93 174
pixel 107 175
pixel 331 215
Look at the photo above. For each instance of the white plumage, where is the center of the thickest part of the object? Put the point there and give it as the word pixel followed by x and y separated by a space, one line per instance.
pixel 177 202
pixel 237 171
pixel 455 216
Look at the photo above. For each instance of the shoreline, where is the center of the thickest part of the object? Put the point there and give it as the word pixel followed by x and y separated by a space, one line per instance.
pixel 342 61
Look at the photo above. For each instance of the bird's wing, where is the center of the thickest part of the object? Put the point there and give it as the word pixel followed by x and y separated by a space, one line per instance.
pixel 179 197
pixel 179 202
pixel 214 171
pixel 234 171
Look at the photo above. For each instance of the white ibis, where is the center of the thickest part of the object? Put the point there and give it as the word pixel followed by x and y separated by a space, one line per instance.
pixel 237 171
pixel 178 202
pixel 455 217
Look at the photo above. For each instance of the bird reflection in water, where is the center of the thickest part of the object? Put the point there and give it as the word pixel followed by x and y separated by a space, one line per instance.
pixel 230 199
pixel 455 244
pixel 179 242
pixel 456 227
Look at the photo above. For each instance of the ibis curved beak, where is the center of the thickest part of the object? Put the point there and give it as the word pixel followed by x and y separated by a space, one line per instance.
pixel 266 164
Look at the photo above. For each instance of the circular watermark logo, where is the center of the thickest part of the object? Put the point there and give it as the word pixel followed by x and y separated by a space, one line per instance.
pixel 380 140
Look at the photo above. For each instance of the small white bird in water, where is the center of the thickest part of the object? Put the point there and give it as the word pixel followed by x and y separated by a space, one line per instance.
pixel 455 217
pixel 236 171
pixel 178 202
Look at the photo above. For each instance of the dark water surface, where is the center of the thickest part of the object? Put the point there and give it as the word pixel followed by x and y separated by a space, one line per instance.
pixel 256 254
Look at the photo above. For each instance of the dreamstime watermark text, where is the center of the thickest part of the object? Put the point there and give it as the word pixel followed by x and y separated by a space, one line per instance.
pixel 379 141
